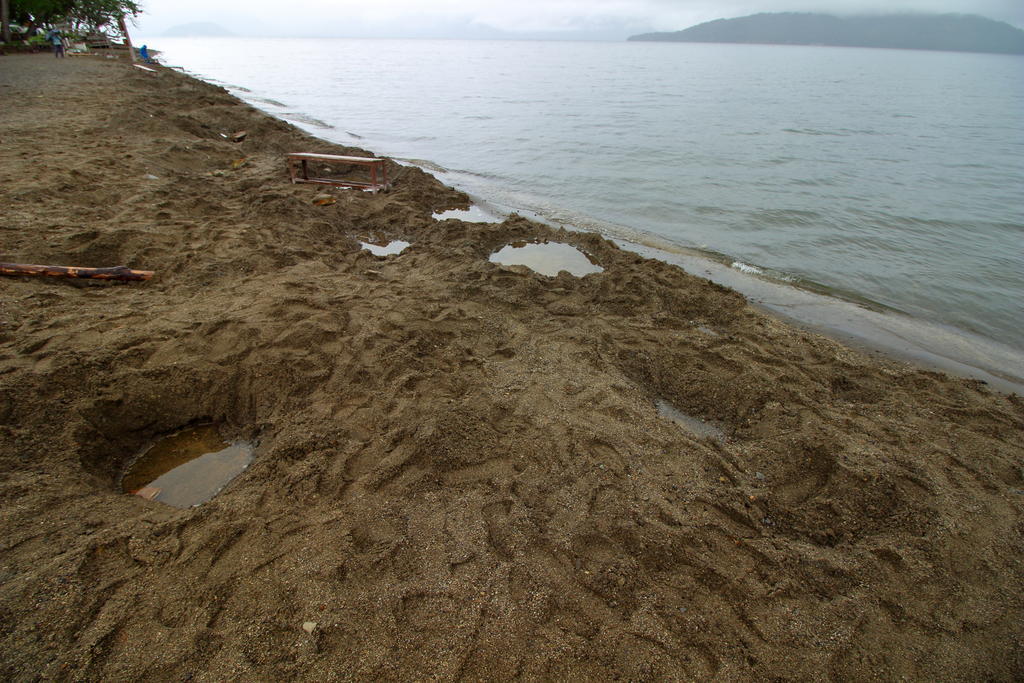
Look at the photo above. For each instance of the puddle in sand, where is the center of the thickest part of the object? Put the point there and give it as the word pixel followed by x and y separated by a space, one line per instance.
pixel 187 468
pixel 547 258
pixel 688 422
pixel 473 214
pixel 389 249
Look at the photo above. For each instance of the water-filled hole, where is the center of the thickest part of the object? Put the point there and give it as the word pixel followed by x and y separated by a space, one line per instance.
pixel 546 258
pixel 187 468
pixel 691 424
pixel 386 248
pixel 474 214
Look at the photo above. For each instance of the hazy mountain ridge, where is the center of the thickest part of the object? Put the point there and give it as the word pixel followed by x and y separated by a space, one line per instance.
pixel 950 32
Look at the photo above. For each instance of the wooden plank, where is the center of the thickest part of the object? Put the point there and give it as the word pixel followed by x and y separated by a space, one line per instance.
pixel 332 157
pixel 115 273
pixel 341 183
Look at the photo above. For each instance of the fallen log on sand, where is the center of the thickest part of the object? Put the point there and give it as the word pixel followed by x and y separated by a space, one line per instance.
pixel 115 273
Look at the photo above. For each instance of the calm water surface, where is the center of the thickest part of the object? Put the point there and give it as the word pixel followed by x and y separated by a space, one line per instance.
pixel 888 177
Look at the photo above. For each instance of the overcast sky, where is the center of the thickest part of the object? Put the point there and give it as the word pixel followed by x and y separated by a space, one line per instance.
pixel 600 19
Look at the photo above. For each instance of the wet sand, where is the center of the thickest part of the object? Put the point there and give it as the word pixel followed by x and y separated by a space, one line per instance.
pixel 462 470
pixel 919 342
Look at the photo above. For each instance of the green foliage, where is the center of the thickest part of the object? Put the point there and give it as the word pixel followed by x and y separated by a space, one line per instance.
pixel 84 15
pixel 98 13
pixel 39 11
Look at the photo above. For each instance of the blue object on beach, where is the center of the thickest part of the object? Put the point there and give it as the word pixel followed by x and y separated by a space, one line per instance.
pixel 145 55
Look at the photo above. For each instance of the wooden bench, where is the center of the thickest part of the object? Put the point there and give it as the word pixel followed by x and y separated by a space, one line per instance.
pixel 98 40
pixel 298 168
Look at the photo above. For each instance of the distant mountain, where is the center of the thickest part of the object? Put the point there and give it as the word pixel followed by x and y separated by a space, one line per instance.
pixel 203 29
pixel 953 32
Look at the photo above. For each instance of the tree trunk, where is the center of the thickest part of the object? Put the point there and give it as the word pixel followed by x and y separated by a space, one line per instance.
pixel 127 38
pixel 5 19
pixel 115 273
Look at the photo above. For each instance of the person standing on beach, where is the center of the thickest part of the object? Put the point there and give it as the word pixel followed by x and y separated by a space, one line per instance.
pixel 57 39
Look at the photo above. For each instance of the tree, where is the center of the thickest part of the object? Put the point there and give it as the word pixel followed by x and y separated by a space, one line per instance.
pixel 83 16
pixel 95 14
pixel 35 12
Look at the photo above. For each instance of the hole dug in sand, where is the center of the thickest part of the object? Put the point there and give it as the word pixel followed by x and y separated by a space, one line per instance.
pixel 187 468
pixel 546 258
pixel 691 424
pixel 385 248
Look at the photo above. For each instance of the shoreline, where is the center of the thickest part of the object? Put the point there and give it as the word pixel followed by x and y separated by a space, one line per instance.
pixel 900 336
pixel 463 471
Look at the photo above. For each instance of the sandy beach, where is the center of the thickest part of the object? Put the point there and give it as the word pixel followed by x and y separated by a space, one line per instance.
pixel 461 471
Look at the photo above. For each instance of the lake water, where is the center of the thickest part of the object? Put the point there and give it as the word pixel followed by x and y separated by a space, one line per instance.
pixel 890 178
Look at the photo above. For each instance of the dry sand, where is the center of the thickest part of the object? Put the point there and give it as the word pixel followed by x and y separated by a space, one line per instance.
pixel 461 472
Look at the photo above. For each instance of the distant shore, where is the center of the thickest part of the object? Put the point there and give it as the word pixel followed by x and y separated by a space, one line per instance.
pixel 462 470
pixel 914 31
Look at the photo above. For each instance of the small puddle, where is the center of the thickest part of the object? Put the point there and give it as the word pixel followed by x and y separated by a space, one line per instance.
pixel 688 422
pixel 547 258
pixel 389 249
pixel 473 214
pixel 187 468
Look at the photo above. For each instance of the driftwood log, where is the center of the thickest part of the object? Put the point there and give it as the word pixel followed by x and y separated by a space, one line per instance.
pixel 115 273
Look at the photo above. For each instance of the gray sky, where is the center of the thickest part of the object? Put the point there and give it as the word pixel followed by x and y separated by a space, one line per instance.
pixel 598 19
